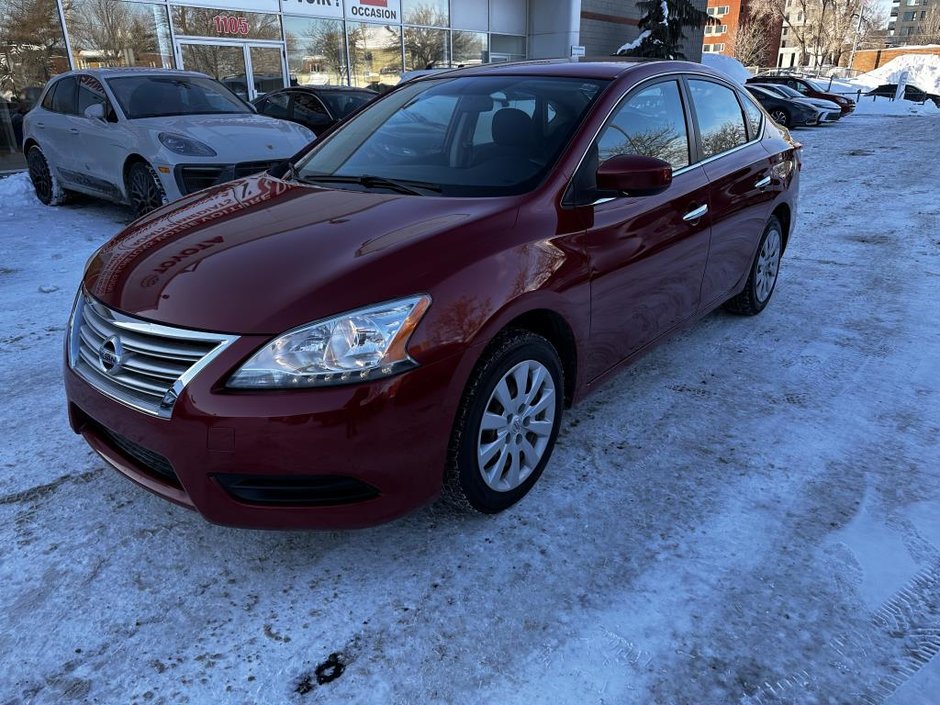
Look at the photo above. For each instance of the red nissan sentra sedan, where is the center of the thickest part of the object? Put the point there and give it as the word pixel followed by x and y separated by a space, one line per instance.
pixel 409 306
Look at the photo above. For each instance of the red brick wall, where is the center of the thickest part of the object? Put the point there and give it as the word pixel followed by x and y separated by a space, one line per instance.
pixel 869 59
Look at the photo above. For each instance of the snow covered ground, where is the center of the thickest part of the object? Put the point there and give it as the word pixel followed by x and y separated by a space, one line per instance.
pixel 751 515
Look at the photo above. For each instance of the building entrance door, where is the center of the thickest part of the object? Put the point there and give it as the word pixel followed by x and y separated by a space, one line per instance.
pixel 248 69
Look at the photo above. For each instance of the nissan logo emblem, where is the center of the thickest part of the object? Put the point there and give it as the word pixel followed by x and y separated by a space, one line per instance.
pixel 111 355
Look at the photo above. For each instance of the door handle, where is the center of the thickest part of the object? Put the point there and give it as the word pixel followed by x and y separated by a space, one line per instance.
pixel 73 131
pixel 763 183
pixel 41 125
pixel 695 213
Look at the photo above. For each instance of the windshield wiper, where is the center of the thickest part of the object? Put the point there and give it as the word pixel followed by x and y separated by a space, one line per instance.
pixel 370 181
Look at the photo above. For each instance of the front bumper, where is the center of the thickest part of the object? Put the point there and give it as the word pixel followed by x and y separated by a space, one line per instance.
pixel 355 455
pixel 189 178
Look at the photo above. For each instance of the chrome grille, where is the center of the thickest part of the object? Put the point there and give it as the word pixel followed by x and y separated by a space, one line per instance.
pixel 152 362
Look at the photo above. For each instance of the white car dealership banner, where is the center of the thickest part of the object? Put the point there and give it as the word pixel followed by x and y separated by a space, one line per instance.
pixel 246 5
pixel 387 11
pixel 317 8
pixel 384 11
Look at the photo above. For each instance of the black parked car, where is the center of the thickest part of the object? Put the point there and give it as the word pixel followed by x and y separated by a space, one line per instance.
pixel 912 93
pixel 315 107
pixel 784 111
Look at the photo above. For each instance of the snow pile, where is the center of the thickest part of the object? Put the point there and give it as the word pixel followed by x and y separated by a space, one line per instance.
pixel 732 68
pixel 923 72
pixel 871 105
pixel 17 190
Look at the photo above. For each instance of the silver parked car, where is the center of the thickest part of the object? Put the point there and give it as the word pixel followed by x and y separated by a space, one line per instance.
pixel 146 137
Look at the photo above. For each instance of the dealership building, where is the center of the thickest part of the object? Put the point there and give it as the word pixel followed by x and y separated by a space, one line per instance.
pixel 254 46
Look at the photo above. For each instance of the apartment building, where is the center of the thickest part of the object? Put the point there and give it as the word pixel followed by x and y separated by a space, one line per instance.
pixel 722 35
pixel 914 22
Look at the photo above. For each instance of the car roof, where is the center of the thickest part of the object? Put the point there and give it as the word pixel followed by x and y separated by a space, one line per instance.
pixel 132 71
pixel 338 89
pixel 603 68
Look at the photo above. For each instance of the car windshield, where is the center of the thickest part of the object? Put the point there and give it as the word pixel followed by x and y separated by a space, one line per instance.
pixel 814 86
pixel 461 136
pixel 159 96
pixel 342 103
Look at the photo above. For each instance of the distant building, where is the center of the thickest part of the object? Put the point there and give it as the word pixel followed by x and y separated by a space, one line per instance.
pixel 721 36
pixel 914 22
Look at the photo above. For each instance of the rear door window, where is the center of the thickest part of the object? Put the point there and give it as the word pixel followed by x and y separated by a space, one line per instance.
pixel 718 114
pixel 65 100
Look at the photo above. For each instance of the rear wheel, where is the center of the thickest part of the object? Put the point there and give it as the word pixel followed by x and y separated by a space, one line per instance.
pixel 507 424
pixel 45 183
pixel 144 190
pixel 780 116
pixel 763 277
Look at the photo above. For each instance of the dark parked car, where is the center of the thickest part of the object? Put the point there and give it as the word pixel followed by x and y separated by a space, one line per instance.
pixel 315 107
pixel 911 93
pixel 341 340
pixel 784 111
pixel 807 88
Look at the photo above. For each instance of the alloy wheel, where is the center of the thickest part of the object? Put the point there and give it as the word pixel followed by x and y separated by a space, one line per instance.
pixel 516 426
pixel 779 117
pixel 146 194
pixel 768 264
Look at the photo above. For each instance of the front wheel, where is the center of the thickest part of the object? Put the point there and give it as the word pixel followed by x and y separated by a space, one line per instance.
pixel 763 276
pixel 144 190
pixel 507 423
pixel 781 117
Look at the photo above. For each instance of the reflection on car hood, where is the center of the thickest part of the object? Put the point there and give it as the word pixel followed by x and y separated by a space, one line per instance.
pixel 819 103
pixel 235 137
pixel 262 255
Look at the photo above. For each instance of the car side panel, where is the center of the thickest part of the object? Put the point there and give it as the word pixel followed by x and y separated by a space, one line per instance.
pixel 739 207
pixel 647 265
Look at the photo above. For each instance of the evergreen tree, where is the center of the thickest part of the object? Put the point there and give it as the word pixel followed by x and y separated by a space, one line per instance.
pixel 662 28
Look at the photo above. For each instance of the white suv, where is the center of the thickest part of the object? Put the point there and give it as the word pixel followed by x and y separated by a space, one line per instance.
pixel 147 137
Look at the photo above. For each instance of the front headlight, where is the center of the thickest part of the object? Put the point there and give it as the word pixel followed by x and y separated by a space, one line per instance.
pixel 358 346
pixel 185 145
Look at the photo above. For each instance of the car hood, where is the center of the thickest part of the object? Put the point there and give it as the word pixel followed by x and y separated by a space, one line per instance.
pixel 236 138
pixel 262 255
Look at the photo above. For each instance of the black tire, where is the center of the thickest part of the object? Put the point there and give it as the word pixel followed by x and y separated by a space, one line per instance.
pixel 760 285
pixel 45 183
pixel 144 190
pixel 464 483
pixel 780 116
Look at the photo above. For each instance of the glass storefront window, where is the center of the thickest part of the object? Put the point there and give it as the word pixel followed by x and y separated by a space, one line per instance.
pixel 426 48
pixel 430 13
pixel 32 50
pixel 469 48
pixel 228 24
pixel 506 47
pixel 316 51
pixel 106 33
pixel 374 55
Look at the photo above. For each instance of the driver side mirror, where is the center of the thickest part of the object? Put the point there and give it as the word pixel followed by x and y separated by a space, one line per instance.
pixel 634 175
pixel 95 111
